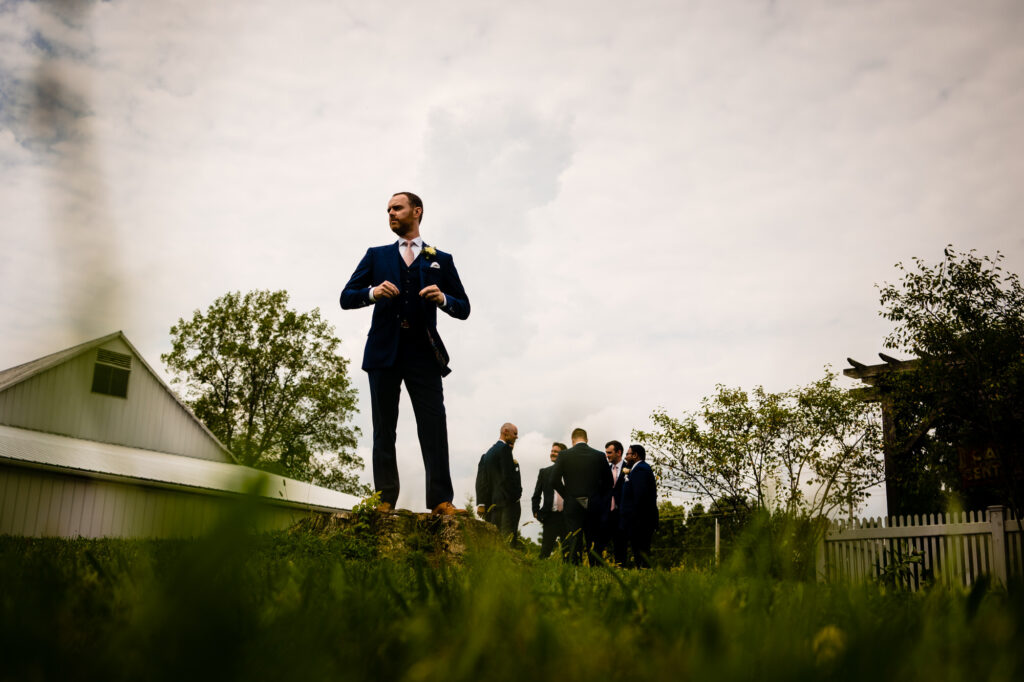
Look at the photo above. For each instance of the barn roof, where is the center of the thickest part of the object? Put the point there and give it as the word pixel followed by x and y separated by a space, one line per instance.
pixel 92 459
pixel 15 375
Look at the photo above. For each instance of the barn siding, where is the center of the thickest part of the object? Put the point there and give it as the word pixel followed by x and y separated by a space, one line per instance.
pixel 35 502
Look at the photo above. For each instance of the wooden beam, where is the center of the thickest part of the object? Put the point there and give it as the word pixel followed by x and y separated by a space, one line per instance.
pixel 869 394
pixel 868 373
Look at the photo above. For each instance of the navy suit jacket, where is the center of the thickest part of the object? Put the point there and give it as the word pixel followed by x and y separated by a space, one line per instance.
pixel 503 474
pixel 483 483
pixel 543 499
pixel 639 499
pixel 582 471
pixel 385 263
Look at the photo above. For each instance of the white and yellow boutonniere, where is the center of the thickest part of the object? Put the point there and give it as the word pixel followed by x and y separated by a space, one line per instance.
pixel 428 253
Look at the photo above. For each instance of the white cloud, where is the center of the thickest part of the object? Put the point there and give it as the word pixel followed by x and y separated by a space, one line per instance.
pixel 641 203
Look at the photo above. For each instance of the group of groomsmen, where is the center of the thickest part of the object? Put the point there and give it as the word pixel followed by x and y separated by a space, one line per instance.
pixel 587 500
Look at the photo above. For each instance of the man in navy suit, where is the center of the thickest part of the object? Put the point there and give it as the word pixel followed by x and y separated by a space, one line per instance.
pixel 582 477
pixel 639 505
pixel 483 488
pixel 502 486
pixel 406 282
pixel 547 506
pixel 612 526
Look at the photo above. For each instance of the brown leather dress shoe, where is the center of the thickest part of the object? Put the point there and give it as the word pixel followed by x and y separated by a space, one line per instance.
pixel 447 509
pixel 384 507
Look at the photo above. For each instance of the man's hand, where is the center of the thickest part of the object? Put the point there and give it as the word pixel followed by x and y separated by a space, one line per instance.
pixel 433 294
pixel 385 290
pixel 480 511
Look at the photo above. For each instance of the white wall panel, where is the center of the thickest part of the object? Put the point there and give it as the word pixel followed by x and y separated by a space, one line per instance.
pixel 36 502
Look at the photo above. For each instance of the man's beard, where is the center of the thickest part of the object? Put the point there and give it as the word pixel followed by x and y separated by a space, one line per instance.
pixel 401 229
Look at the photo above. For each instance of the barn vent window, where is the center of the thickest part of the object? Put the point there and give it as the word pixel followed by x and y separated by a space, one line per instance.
pixel 110 376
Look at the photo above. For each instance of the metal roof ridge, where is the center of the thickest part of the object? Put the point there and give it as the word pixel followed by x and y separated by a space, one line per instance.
pixel 109 460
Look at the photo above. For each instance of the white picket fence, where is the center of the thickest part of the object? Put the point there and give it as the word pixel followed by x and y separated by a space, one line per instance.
pixel 954 548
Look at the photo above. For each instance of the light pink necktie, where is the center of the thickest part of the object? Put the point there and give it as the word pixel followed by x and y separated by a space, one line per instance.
pixel 407 255
pixel 615 479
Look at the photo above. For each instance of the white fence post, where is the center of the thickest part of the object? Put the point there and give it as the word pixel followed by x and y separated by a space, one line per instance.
pixel 819 551
pixel 997 521
pixel 718 544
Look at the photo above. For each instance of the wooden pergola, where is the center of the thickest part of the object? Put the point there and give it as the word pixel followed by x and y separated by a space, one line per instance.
pixel 869 375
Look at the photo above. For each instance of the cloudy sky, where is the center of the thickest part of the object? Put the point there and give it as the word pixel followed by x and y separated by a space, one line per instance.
pixel 642 200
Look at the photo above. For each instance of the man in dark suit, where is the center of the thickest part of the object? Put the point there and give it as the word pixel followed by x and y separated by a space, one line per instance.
pixel 639 505
pixel 483 488
pixel 548 506
pixel 582 478
pixel 406 282
pixel 612 526
pixel 502 484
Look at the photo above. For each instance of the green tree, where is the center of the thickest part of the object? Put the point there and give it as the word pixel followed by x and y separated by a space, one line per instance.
pixel 812 450
pixel 269 383
pixel 700 536
pixel 669 546
pixel 963 318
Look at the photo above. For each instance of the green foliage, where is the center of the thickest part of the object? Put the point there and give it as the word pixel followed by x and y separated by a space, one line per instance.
pixel 752 542
pixel 674 542
pixel 364 524
pixel 287 606
pixel 777 545
pixel 898 571
pixel 688 539
pixel 811 450
pixel 269 383
pixel 964 319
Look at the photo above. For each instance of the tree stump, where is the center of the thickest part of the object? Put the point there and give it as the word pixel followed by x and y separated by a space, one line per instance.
pixel 401 532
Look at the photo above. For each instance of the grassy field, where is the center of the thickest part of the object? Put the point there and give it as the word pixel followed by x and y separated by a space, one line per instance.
pixel 312 607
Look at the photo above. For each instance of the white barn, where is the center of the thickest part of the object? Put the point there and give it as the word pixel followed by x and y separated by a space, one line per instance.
pixel 94 444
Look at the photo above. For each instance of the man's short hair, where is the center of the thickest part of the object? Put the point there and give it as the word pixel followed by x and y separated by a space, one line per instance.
pixel 638 450
pixel 615 444
pixel 579 434
pixel 561 446
pixel 414 201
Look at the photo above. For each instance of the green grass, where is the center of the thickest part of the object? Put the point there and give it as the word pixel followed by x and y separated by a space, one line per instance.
pixel 308 607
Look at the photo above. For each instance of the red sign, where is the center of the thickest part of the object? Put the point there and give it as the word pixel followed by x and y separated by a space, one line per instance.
pixel 980 466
